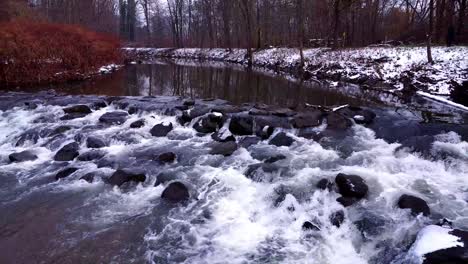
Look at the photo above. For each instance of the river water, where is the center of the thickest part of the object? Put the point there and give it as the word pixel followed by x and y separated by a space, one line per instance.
pixel 230 218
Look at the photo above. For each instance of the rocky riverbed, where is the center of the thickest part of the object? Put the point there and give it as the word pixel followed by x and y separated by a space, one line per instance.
pixel 171 180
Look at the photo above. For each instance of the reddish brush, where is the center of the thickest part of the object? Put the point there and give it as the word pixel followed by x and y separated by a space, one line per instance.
pixel 35 53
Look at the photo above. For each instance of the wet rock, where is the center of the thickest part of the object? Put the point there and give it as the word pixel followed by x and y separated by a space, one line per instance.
pixel 282 139
pixel 65 173
pixel 226 109
pixel 352 186
pixel 283 112
pixel 91 155
pixel 249 141
pixel 189 102
pixel 30 135
pixel 337 218
pixel 209 124
pixel 82 109
pixel 309 119
pixel 265 132
pixel 60 130
pixel 261 172
pixel 338 121
pixel 138 124
pixel 257 112
pixel 167 157
pixel 88 177
pixel 22 156
pixel 370 225
pixel 98 105
pixel 459 93
pixel 223 148
pixel 67 152
pixel 308 226
pixel 176 192
pixel 416 204
pixel 114 118
pixel 161 130
pixel 275 158
pixel 223 137
pixel 122 176
pixel 241 125
pixel 73 116
pixel 95 142
pixel 358 114
pixel 324 184
pixel 430 247
pixel 444 222
pixel 347 201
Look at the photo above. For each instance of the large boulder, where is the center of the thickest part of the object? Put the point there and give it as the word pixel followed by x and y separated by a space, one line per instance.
pixel 223 137
pixel 95 142
pixel 68 152
pixel 223 148
pixel 122 176
pixel 440 245
pixel 241 125
pixel 91 155
pixel 161 130
pixel 352 186
pixel 209 123
pixel 281 139
pixel 265 132
pixel 114 118
pixel 415 204
pixel 65 173
pixel 82 109
pixel 22 156
pixel 338 121
pixel 309 119
pixel 176 192
pixel 358 114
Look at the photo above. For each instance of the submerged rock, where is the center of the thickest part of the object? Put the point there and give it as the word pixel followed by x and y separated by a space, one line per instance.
pixel 114 118
pixel 309 226
pixel 351 186
pixel 223 148
pixel 176 192
pixel 65 173
pixel 82 109
pixel 95 142
pixel 281 139
pixel 164 177
pixel 88 177
pixel 138 124
pixel 67 152
pixel 22 156
pixel 122 176
pixel 324 184
pixel 241 125
pixel 161 130
pixel 338 121
pixel 249 141
pixel 416 204
pixel 347 201
pixel 370 224
pixel 167 157
pixel 274 159
pixel 440 245
pixel 337 218
pixel 91 155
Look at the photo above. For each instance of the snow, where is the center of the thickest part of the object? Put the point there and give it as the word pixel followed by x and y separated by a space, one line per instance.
pixel 442 99
pixel 108 68
pixel 433 238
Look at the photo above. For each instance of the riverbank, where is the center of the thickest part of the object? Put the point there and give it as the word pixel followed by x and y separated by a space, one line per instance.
pixel 396 69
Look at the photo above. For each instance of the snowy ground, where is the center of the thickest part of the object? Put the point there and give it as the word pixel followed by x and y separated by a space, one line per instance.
pixel 383 67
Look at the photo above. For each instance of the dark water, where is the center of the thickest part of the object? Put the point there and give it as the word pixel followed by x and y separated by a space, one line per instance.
pixel 209 80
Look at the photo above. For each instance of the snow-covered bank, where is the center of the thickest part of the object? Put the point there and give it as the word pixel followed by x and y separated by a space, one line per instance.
pixel 378 67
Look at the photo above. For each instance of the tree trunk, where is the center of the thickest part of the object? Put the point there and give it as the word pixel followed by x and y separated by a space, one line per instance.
pixel 429 32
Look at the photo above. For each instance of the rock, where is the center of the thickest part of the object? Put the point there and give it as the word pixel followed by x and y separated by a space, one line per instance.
pixel 324 184
pixel 351 186
pixel 265 132
pixel 67 152
pixel 249 141
pixel 164 177
pixel 359 115
pixel 167 157
pixel 176 192
pixel 98 105
pixel 440 245
pixel 459 93
pixel 257 112
pixel 114 118
pixel 189 102
pixel 73 116
pixel 309 119
pixel 161 130
pixel 347 201
pixel 60 130
pixel 281 139
pixel 241 125
pixel 309 226
pixel 138 124
pixel 283 112
pixel 29 135
pixel 223 148
pixel 122 176
pixel 417 205
pixel 209 124
pixel 338 121
pixel 222 137
pixel 95 142
pixel 91 155
pixel 65 173
pixel 88 177
pixel 82 109
pixel 337 218
pixel 274 159
pixel 22 156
